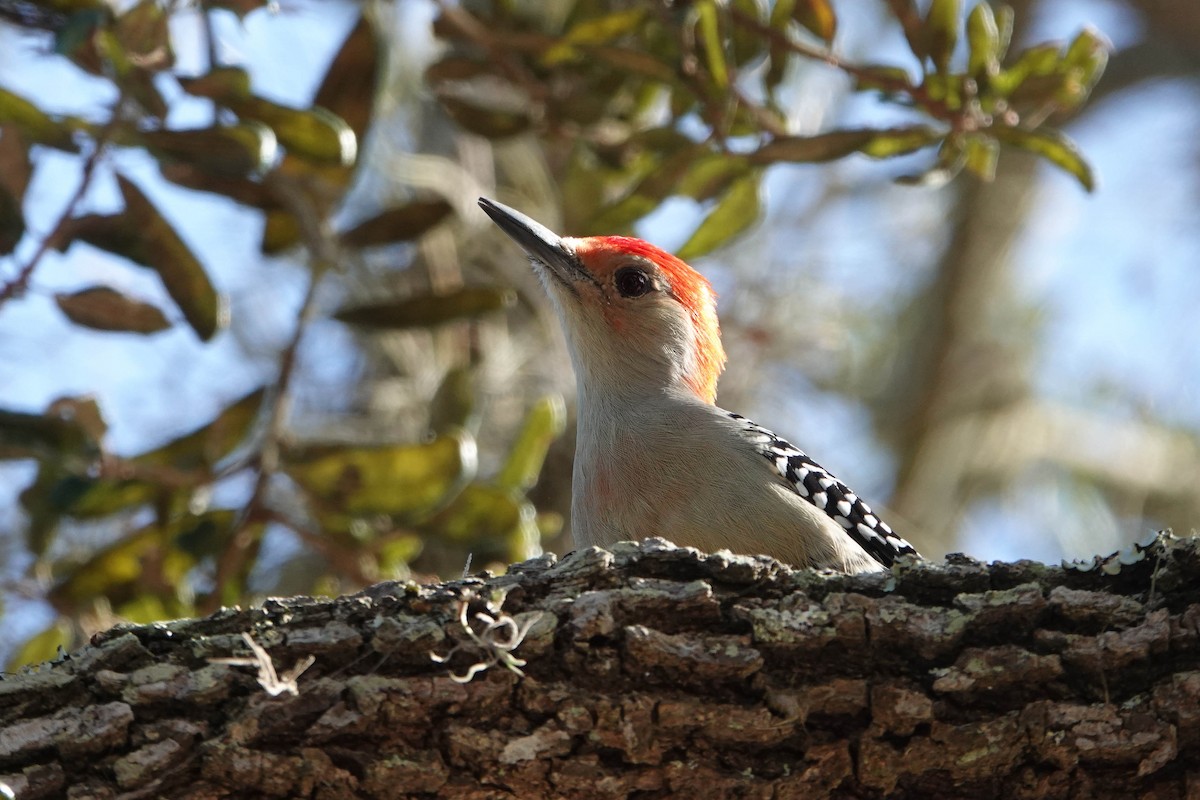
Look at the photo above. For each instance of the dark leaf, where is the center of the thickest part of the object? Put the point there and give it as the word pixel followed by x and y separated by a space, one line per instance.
pixel 454 403
pixel 348 90
pixel 239 7
pixel 47 437
pixel 281 230
pixel 882 78
pixel 241 190
pixel 220 83
pixel 15 171
pixel 1054 147
pixel 182 274
pixel 836 144
pixel 205 446
pixel 144 37
pixel 426 310
pixel 105 309
pixel 231 151
pixel 905 12
pixel 456 68
pixel 489 123
pixel 400 224
pixel 736 211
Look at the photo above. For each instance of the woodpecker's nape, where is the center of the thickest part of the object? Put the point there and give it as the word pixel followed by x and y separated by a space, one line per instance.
pixel 654 456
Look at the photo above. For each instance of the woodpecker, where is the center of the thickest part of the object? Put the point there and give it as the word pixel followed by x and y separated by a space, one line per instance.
pixel 654 455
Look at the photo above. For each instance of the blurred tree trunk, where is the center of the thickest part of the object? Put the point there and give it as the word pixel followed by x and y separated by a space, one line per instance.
pixel 652 671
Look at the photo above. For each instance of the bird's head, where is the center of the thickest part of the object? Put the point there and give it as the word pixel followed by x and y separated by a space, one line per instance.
pixel 636 317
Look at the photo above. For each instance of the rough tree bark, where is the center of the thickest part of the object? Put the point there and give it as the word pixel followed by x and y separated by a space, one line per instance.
pixel 652 671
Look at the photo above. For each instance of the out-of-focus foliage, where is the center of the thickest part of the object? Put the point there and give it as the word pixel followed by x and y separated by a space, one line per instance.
pixel 636 104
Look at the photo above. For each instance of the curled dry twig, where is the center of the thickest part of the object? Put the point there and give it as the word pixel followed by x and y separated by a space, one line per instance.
pixel 492 646
pixel 272 682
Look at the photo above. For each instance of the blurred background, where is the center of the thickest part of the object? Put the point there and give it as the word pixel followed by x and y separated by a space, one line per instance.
pixel 256 338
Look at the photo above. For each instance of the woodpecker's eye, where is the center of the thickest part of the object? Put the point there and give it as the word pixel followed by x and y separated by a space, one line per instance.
pixel 632 282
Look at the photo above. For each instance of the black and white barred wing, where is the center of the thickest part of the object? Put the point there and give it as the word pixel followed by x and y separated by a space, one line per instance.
pixel 816 485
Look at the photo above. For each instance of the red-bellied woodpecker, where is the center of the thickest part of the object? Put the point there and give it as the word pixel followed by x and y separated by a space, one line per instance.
pixel 654 456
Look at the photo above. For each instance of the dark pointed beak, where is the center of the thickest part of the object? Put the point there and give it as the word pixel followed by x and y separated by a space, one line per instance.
pixel 541 243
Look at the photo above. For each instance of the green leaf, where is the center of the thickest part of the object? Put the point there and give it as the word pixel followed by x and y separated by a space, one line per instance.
pixel 454 403
pixel 816 16
pixel 1082 65
pixel 983 41
pixel 404 481
pixel 1054 147
pixel 981 154
pixel 544 423
pixel 423 311
pixel 882 78
pixel 710 174
pixel 47 437
pixel 736 211
pixel 15 172
pixel 42 647
pixel 203 447
pixel 899 141
pixel 1041 60
pixel 315 134
pixel 941 31
pixel 492 520
pixel 708 31
pixel 592 31
pixel 950 162
pixel 220 83
pixel 105 309
pixel 160 248
pixel 398 224
pixel 35 124
pixel 231 151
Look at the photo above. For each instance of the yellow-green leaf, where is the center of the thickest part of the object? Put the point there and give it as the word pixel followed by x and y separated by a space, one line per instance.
pixel 981 154
pixel 34 123
pixel 593 31
pixel 544 423
pixel 983 41
pixel 404 481
pixel 1055 147
pixel 105 309
pixel 454 403
pixel 736 211
pixel 941 30
pixel 423 311
pixel 42 646
pixel 398 224
pixel 710 174
pixel 899 141
pixel 708 31
pixel 812 149
pixel 315 134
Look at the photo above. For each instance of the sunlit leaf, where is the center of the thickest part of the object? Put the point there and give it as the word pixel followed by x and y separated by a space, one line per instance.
pixel 1041 60
pixel 708 32
pixel 711 174
pixel 406 481
pixel 816 16
pixel 1055 147
pixel 151 561
pixel 983 41
pixel 736 211
pixel 422 311
pixel 316 134
pixel 398 224
pixel 596 30
pixel 544 423
pixel 941 31
pixel 1083 64
pixel 899 141
pixel 36 125
pixel 15 172
pixel 159 247
pixel 105 309
pixel 950 161
pixel 42 646
pixel 981 154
